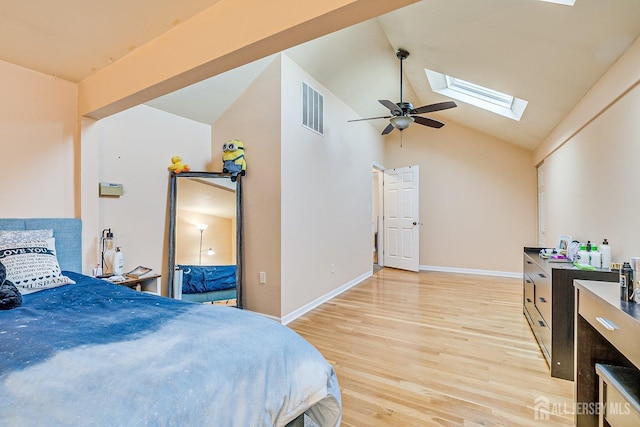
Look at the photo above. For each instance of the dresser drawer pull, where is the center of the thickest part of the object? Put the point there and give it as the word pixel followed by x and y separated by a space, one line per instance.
pixel 542 275
pixel 528 281
pixel 607 323
pixel 542 299
pixel 528 299
pixel 541 323
pixel 529 262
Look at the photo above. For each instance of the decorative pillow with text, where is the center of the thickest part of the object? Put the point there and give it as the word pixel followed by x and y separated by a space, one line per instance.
pixel 33 266
pixel 8 237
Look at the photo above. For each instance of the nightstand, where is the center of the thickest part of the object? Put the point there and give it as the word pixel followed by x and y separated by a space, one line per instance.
pixel 149 283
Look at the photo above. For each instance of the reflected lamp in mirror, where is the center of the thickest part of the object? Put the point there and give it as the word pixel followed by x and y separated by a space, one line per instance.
pixel 201 227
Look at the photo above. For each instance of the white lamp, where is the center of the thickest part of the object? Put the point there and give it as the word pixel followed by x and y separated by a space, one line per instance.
pixel 201 227
pixel 209 252
pixel 401 122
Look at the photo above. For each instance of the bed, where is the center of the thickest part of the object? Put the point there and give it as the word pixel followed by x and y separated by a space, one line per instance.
pixel 205 283
pixel 96 353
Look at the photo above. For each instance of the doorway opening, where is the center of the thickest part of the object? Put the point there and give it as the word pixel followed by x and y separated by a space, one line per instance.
pixel 376 218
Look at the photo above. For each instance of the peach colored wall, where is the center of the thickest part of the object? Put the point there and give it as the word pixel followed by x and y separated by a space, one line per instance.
pixel 313 211
pixel 37 133
pixel 591 164
pixel 326 195
pixel 477 197
pixel 621 78
pixel 255 118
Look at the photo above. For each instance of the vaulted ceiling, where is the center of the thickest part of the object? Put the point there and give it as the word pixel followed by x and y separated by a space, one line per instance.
pixel 545 53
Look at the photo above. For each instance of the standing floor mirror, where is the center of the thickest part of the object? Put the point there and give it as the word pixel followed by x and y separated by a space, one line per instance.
pixel 205 238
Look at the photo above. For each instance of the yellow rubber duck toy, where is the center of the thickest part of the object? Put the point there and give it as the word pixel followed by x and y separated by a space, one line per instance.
pixel 177 166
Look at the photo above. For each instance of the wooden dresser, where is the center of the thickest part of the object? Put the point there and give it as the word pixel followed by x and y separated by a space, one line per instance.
pixel 548 305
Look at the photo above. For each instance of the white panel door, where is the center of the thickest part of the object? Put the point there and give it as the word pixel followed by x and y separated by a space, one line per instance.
pixel 401 218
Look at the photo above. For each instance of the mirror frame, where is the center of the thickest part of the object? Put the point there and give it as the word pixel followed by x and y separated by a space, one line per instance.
pixel 173 199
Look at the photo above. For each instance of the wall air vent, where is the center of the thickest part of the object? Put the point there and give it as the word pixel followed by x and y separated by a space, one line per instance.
pixel 312 109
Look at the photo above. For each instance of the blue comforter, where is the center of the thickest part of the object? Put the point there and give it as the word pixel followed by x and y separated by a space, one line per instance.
pixel 198 279
pixel 96 353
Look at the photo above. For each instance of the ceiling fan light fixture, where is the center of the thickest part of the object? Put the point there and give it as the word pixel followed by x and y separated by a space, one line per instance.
pixel 403 113
pixel 401 122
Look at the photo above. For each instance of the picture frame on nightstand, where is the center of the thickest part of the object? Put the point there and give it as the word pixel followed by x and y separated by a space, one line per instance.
pixel 138 272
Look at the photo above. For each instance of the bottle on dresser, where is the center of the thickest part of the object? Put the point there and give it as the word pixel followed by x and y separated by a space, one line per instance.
pixel 626 282
pixel 583 255
pixel 635 267
pixel 605 251
pixel 595 257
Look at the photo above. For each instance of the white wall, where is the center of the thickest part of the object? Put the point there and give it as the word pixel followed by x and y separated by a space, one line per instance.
pixel 134 148
pixel 591 180
pixel 326 195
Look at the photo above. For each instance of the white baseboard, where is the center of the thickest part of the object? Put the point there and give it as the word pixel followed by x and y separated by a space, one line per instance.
pixel 324 298
pixel 470 271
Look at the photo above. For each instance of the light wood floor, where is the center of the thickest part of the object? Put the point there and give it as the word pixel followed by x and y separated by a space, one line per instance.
pixel 421 349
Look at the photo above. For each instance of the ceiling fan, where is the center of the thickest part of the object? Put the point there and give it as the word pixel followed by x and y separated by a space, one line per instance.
pixel 403 113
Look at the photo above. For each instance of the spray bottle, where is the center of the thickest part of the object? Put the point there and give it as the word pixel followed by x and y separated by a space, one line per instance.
pixel 118 262
pixel 626 282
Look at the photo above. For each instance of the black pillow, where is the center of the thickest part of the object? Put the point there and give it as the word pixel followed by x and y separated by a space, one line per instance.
pixel 10 296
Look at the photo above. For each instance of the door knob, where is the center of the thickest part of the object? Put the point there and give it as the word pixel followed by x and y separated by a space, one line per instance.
pixel 415 223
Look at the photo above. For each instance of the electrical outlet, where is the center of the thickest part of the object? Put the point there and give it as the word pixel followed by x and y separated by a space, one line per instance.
pixel 263 278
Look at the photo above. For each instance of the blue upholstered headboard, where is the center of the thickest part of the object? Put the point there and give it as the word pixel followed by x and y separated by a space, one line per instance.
pixel 66 231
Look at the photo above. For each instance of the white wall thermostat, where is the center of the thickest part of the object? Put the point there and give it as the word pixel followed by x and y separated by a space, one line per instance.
pixel 107 189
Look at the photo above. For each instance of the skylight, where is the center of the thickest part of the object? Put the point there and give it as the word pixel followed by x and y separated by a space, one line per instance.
pixel 475 94
pixel 565 2
pixel 479 92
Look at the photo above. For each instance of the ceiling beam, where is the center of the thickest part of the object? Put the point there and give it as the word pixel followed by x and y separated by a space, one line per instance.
pixel 225 36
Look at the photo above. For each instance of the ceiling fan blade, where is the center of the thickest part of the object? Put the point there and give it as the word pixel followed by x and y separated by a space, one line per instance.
pixel 370 118
pixel 388 129
pixel 428 122
pixel 433 107
pixel 395 110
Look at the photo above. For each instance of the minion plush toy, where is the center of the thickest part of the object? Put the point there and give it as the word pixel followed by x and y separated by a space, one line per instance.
pixel 233 159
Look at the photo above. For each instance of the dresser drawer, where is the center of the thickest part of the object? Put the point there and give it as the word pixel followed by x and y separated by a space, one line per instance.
pixel 531 267
pixel 533 272
pixel 543 296
pixel 613 324
pixel 542 333
pixel 529 293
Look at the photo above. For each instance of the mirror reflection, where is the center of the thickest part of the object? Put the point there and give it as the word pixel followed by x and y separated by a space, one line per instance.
pixel 205 228
pixel 206 222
